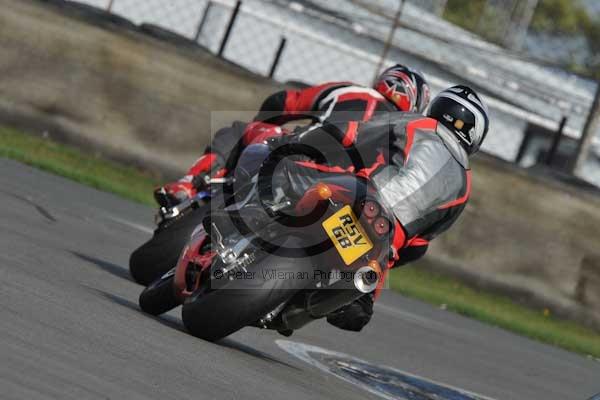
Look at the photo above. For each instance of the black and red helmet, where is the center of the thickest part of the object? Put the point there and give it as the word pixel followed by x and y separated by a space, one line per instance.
pixel 404 87
pixel 463 112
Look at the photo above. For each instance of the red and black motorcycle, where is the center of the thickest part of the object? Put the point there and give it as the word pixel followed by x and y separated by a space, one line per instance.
pixel 263 260
pixel 175 224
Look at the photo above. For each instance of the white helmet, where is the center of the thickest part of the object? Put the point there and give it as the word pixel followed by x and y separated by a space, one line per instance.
pixel 461 110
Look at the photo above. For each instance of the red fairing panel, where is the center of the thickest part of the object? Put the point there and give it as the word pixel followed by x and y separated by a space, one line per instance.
pixel 191 254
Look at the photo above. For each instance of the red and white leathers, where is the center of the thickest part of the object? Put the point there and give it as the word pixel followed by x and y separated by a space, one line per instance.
pixel 342 101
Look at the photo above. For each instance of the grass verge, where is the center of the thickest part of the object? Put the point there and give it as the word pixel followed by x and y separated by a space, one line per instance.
pixel 66 161
pixel 497 310
pixel 410 281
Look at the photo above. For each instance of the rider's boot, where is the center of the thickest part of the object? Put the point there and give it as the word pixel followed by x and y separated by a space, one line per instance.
pixel 174 193
pixel 354 316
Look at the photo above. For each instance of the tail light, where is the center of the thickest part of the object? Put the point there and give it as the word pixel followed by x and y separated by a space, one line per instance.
pixel 381 226
pixel 371 209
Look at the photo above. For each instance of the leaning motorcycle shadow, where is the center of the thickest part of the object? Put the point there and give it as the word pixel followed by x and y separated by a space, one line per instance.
pixel 104 265
pixel 175 323
pixel 251 351
pixel 166 320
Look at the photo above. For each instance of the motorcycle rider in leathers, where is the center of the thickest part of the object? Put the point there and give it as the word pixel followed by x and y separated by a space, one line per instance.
pixel 419 164
pixel 399 88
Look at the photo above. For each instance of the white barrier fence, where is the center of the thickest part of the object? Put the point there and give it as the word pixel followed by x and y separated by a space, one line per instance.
pixel 313 52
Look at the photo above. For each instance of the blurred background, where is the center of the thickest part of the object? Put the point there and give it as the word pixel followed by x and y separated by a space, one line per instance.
pixel 535 59
pixel 139 81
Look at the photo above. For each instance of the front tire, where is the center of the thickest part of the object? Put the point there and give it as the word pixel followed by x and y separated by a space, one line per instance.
pixel 158 255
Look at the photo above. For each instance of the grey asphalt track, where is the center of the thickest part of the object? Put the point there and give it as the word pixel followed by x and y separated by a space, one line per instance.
pixel 70 327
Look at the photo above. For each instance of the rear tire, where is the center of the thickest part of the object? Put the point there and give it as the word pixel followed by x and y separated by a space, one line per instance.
pixel 159 255
pixel 213 315
pixel 159 297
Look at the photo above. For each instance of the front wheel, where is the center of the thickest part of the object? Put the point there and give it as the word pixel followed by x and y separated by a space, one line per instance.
pixel 157 256
pixel 159 297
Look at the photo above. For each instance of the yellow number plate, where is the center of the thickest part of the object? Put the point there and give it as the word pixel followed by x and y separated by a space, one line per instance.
pixel 348 236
